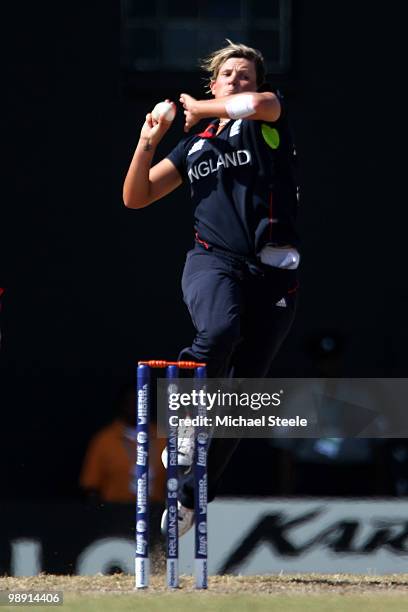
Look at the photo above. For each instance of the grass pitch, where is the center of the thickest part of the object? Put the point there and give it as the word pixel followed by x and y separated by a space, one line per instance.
pixel 296 593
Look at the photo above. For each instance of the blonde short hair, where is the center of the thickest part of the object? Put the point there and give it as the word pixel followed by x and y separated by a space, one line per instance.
pixel 216 59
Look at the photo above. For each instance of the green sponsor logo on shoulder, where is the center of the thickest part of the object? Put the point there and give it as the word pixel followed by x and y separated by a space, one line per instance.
pixel 271 136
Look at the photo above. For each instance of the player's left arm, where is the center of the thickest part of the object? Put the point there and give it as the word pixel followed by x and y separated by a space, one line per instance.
pixel 263 106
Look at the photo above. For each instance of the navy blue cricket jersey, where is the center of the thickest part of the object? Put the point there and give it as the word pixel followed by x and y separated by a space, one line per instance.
pixel 243 184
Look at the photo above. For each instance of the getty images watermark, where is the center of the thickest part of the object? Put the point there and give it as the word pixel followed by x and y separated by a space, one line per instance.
pixel 286 408
pixel 219 400
pixel 227 407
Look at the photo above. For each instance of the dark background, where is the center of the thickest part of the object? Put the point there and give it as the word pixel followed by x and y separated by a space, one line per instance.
pixel 92 287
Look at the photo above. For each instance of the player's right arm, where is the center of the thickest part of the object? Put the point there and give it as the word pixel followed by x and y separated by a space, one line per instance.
pixel 145 184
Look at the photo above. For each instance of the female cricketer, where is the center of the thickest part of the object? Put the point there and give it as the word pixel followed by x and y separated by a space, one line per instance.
pixel 240 279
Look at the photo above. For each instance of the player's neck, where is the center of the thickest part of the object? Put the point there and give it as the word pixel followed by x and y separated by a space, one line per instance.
pixel 222 124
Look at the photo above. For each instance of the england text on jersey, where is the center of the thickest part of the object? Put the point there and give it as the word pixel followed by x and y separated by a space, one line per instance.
pixel 206 167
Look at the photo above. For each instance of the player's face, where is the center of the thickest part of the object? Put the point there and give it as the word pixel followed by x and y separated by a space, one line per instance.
pixel 236 75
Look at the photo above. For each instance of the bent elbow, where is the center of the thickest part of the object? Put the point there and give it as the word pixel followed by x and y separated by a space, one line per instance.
pixel 127 201
pixel 268 106
pixel 131 202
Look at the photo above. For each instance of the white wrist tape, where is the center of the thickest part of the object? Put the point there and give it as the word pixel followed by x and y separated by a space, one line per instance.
pixel 240 107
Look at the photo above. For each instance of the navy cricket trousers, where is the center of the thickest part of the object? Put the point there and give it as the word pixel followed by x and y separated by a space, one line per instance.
pixel 239 329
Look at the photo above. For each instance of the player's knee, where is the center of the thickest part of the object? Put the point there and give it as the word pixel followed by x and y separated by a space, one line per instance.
pixel 222 338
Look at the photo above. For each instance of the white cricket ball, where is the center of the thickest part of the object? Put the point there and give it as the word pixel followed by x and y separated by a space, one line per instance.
pixel 163 108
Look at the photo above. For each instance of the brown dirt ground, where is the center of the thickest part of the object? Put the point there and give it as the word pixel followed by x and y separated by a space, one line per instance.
pixel 274 584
